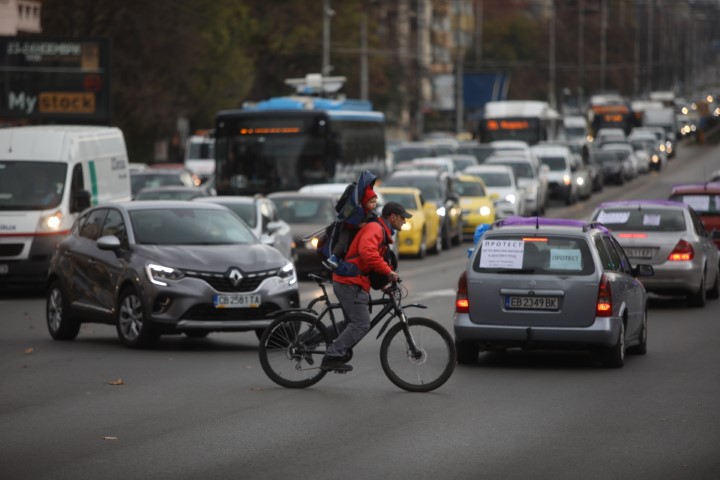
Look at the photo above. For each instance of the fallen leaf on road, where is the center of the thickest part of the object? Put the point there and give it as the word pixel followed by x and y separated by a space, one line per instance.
pixel 256 389
pixel 109 438
pixel 28 350
pixel 119 381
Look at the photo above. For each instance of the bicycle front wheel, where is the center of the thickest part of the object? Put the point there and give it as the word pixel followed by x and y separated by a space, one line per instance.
pixel 291 350
pixel 429 367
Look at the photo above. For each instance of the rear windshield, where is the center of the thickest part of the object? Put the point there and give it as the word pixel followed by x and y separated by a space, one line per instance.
pixel 407 200
pixel 646 220
pixel 189 226
pixel 702 203
pixel 551 255
pixel 494 179
pixel 554 163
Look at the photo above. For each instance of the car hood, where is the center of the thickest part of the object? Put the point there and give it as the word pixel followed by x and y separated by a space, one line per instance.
pixel 215 258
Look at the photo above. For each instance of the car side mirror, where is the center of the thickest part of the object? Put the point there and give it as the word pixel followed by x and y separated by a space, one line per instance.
pixel 273 227
pixel 109 242
pixel 80 201
pixel 715 234
pixel 643 270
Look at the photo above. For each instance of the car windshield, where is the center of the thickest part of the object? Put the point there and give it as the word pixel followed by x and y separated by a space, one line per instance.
pixel 642 219
pixel 480 152
pixel 407 200
pixel 469 189
pixel 189 226
pixel 406 154
pixel 554 163
pixel 607 158
pixel 705 204
pixel 462 163
pixel 31 185
pixel 296 210
pixel 167 194
pixel 246 211
pixel 537 255
pixel 429 187
pixel 521 169
pixel 145 179
pixel 494 179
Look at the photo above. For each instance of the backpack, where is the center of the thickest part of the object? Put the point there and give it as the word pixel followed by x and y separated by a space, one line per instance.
pixel 348 210
pixel 377 281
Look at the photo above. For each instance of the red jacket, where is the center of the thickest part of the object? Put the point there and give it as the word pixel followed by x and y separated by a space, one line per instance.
pixel 367 251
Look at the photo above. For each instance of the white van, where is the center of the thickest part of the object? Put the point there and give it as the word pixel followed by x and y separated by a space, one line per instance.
pixel 200 155
pixel 48 174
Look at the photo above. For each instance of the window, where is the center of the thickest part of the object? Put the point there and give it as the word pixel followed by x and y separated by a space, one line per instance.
pixel 615 264
pixel 605 258
pixel 625 265
pixel 114 225
pixel 92 227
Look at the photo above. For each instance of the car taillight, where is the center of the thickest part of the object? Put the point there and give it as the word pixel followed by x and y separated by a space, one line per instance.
pixel 604 300
pixel 682 252
pixel 462 304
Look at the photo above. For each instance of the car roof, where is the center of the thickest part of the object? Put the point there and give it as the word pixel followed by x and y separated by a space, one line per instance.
pixel 670 204
pixel 239 199
pixel 546 224
pixel 296 194
pixel 416 173
pixel 400 190
pixel 489 168
pixel 161 204
pixel 324 188
pixel 172 188
pixel 551 149
pixel 709 187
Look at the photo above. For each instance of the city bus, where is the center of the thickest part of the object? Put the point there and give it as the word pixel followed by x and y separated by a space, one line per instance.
pixel 527 120
pixel 285 143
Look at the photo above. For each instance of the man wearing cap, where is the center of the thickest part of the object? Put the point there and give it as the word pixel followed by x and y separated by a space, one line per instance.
pixel 367 252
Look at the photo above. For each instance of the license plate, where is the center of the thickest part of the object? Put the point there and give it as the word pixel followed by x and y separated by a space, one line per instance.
pixel 4 268
pixel 237 301
pixel 639 252
pixel 531 303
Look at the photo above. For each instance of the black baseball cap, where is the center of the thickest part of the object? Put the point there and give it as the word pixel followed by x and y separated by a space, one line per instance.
pixel 396 208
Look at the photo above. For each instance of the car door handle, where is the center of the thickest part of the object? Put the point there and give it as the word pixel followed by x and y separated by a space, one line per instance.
pixel 91 261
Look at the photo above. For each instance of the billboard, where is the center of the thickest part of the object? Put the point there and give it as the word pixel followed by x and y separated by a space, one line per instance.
pixel 45 79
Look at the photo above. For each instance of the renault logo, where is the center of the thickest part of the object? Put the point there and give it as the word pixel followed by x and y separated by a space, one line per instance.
pixel 235 277
pixel 531 283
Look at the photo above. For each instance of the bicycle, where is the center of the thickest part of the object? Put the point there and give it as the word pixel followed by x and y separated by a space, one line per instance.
pixel 417 354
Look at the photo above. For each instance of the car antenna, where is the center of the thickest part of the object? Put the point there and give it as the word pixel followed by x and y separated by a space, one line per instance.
pixel 537 222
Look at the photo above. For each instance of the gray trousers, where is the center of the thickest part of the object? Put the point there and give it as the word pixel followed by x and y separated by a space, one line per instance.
pixel 354 301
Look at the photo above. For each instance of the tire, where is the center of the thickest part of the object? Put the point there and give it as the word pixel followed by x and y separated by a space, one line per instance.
pixel 281 350
pixel 424 374
pixel 458 239
pixel 132 328
pixel 699 298
pixel 446 240
pixel 467 352
pixel 714 292
pixel 60 322
pixel 614 357
pixel 422 250
pixel 438 243
pixel 641 348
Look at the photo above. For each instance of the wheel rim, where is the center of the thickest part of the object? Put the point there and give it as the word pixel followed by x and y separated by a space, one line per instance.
pixel 54 309
pixel 425 368
pixel 423 245
pixel 131 317
pixel 283 348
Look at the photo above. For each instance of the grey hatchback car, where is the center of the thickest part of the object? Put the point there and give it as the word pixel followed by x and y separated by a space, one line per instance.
pixel 161 267
pixel 551 283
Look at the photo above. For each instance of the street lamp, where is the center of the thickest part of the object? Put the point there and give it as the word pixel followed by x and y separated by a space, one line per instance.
pixel 328 12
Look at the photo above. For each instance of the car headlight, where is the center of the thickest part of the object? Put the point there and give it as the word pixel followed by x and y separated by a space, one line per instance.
pixel 50 223
pixel 312 244
pixel 510 198
pixel 159 274
pixel 484 211
pixel 655 159
pixel 580 181
pixel 441 211
pixel 287 272
pixel 566 179
pixel 407 226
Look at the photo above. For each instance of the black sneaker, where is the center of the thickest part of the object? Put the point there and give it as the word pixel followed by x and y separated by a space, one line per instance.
pixel 334 364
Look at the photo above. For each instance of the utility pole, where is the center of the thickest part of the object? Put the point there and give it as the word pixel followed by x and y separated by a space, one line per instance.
pixel 363 57
pixel 651 23
pixel 327 14
pixel 459 58
pixel 419 115
pixel 581 53
pixel 603 42
pixel 551 56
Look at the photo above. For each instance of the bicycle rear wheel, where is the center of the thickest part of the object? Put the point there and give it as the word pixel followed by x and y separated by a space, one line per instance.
pixel 291 350
pixel 425 372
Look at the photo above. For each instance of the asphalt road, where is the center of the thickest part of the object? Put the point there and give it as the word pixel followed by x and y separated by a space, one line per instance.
pixel 202 408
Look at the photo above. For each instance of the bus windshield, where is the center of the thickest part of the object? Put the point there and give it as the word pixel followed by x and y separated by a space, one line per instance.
pixel 31 185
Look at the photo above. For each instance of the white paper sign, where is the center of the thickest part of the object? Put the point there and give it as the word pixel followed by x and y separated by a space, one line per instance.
pixel 565 259
pixel 613 217
pixel 502 254
pixel 700 203
pixel 651 219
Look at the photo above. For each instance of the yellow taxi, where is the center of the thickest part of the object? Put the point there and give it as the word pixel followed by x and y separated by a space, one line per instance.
pixel 421 232
pixel 475 201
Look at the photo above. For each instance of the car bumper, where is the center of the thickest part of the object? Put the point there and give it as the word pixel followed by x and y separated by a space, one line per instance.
pixel 559 190
pixel 30 258
pixel 471 221
pixel 603 332
pixel 187 304
pixel 674 278
pixel 409 242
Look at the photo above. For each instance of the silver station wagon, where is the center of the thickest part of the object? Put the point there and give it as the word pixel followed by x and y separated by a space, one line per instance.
pixel 551 283
pixel 669 236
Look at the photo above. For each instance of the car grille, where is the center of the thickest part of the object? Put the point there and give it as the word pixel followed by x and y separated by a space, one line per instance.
pixel 207 312
pixel 10 249
pixel 221 283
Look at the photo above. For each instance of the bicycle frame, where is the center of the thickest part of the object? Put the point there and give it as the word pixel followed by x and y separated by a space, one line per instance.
pixel 389 302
